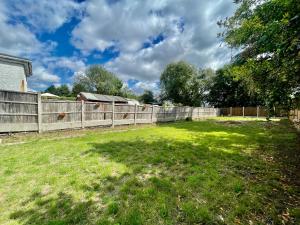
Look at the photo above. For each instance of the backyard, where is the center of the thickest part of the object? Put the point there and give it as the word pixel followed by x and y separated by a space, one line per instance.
pixel 218 171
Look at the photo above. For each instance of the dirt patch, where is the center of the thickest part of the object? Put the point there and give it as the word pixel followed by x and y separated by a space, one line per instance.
pixel 231 122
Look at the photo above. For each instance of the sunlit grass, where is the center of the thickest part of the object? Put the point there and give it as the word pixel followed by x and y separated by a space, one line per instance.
pixel 205 172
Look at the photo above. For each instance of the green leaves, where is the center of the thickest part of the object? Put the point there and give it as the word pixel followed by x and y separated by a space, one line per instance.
pixel 267 34
pixel 98 79
pixel 182 83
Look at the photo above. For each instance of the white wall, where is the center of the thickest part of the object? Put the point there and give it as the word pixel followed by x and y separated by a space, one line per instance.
pixel 11 77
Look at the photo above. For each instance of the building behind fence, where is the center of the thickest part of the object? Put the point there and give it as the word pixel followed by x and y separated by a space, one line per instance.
pixel 27 112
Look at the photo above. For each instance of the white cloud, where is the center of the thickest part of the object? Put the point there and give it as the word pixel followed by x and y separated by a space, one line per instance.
pixel 73 64
pixel 45 15
pixel 140 86
pixel 17 39
pixel 42 78
pixel 189 29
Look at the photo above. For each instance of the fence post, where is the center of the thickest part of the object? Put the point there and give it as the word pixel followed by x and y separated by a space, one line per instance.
pixel 164 112
pixel 39 112
pixel 257 111
pixel 243 111
pixel 113 115
pixel 82 114
pixel 152 110
pixel 135 113
pixel 230 111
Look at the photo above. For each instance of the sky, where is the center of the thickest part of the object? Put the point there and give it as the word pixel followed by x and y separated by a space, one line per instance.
pixel 135 39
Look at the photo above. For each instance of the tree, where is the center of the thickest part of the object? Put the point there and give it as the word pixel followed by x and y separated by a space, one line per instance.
pixel 77 88
pixel 127 93
pixel 267 33
pixel 147 97
pixel 62 90
pixel 51 89
pixel 225 91
pixel 98 79
pixel 182 83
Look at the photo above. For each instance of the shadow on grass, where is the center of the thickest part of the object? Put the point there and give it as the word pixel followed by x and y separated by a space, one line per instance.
pixel 222 174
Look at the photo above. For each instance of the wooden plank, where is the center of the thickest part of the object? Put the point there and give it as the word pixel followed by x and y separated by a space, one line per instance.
pixel 143 121
pixel 113 115
pixel 94 123
pixel 101 112
pixel 124 122
pixel 39 111
pixel 135 111
pixel 18 114
pixel 49 113
pixel 60 126
pixel 18 102
pixel 18 127
pixel 82 114
pixel 152 111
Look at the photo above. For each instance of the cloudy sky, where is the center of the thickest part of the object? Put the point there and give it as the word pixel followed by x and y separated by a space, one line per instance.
pixel 135 39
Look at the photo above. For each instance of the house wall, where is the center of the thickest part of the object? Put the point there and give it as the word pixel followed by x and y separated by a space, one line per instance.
pixel 12 77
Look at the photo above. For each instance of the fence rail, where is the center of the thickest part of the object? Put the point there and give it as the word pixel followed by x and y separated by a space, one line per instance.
pixel 27 112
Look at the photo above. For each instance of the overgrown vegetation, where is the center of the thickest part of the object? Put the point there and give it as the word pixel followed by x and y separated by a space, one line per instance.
pixel 207 172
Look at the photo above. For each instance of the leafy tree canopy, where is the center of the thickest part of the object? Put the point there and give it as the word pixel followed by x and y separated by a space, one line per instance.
pixel 98 79
pixel 225 91
pixel 62 90
pixel 147 97
pixel 183 83
pixel 267 33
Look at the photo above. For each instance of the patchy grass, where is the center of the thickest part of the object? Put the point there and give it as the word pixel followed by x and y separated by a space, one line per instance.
pixel 205 172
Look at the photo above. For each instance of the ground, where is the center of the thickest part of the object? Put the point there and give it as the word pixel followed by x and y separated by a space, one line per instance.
pixel 200 172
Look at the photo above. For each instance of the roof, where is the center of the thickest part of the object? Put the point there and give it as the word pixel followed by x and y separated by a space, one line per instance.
pixel 19 60
pixel 102 98
pixel 49 95
pixel 132 101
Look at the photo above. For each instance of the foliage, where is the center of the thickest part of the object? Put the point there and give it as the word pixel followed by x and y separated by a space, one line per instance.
pixel 267 33
pixel 77 88
pixel 183 83
pixel 147 97
pixel 225 91
pixel 98 79
pixel 62 90
pixel 200 172
pixel 127 93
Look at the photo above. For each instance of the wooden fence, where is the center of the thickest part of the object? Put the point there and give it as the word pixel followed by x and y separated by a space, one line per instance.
pixel 294 115
pixel 258 111
pixel 27 112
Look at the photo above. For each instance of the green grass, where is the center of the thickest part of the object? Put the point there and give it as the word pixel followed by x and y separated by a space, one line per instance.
pixel 207 172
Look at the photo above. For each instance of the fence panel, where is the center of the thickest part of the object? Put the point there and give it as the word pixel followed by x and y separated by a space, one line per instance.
pixel 18 111
pixel 96 114
pixel 61 115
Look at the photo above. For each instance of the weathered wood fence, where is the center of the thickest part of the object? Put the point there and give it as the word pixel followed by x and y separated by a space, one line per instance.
pixel 294 115
pixel 258 111
pixel 27 112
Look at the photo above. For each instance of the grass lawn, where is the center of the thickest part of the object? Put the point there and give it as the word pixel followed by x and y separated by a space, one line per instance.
pixel 206 172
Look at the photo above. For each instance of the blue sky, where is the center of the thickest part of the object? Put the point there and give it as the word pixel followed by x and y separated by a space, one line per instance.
pixel 133 39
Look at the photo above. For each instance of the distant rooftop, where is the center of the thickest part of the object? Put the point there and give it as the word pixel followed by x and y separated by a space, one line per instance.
pixel 102 98
pixel 15 59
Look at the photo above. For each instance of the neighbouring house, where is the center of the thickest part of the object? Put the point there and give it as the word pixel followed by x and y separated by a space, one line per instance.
pixel 14 72
pixel 91 97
